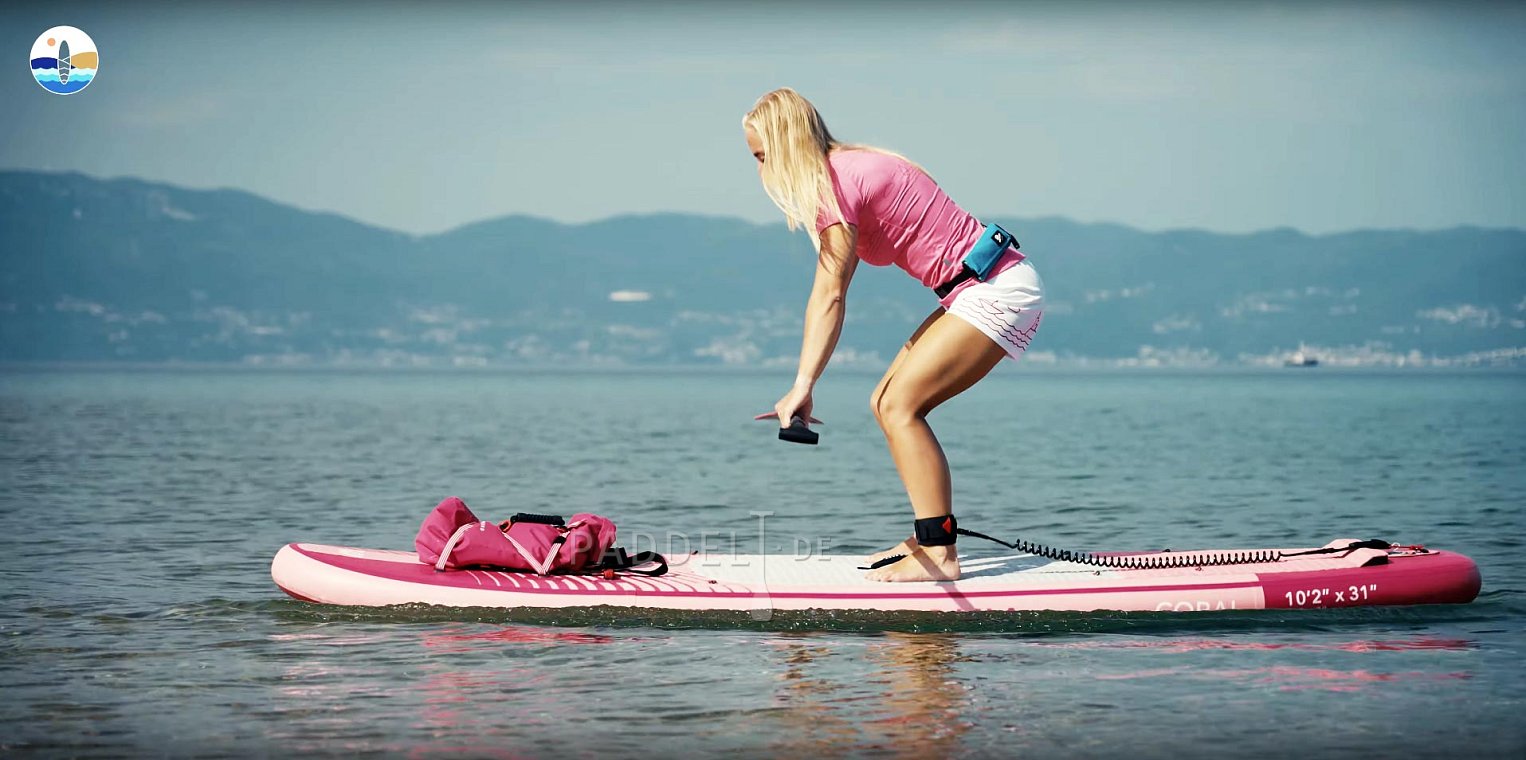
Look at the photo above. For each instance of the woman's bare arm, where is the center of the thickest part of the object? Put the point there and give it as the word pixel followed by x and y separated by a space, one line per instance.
pixel 824 311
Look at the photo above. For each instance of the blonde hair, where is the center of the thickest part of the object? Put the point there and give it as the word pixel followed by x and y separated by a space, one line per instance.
pixel 796 143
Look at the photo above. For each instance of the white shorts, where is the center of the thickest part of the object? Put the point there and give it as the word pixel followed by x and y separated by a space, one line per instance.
pixel 1006 307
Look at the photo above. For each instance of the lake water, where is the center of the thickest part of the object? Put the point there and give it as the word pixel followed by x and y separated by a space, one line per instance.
pixel 141 510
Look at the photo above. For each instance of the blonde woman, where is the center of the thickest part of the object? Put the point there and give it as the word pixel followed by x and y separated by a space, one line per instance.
pixel 862 203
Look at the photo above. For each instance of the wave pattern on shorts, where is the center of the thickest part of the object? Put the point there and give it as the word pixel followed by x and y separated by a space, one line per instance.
pixel 1003 321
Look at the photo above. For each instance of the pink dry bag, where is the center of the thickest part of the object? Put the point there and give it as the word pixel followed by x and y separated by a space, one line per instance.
pixel 452 537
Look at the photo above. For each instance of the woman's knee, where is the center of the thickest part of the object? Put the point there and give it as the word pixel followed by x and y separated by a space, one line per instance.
pixel 876 398
pixel 894 409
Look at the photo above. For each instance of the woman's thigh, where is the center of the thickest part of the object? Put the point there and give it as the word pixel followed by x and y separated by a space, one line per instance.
pixel 950 356
pixel 900 356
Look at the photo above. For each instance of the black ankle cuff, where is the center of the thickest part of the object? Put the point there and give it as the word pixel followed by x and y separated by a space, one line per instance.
pixel 936 531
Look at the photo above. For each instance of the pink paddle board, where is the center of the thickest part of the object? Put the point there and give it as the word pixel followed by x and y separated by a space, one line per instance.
pixel 376 577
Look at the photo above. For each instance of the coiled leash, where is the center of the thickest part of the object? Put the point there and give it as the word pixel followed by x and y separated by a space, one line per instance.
pixel 942 530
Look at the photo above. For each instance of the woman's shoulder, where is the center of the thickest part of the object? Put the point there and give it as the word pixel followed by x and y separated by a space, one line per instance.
pixel 867 164
pixel 866 158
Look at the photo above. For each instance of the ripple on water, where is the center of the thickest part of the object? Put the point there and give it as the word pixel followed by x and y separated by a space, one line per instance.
pixel 168 637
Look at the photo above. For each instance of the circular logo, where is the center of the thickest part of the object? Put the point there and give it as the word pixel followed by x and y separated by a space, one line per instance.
pixel 64 60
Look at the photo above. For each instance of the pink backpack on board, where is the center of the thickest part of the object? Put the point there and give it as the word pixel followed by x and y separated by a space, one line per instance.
pixel 452 538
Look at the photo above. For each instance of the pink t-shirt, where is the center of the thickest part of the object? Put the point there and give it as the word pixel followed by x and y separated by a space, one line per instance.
pixel 904 218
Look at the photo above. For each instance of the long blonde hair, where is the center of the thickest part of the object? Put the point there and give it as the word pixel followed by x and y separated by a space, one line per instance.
pixel 796 143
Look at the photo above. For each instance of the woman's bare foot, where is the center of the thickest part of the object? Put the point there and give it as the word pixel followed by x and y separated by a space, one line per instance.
pixel 926 563
pixel 904 548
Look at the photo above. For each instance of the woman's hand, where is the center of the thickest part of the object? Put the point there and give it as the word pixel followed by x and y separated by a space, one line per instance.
pixel 796 403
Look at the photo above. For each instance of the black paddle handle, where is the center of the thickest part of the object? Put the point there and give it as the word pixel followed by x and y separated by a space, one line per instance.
pixel 797 432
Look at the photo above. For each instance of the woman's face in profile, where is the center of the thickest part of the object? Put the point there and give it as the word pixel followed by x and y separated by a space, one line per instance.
pixel 755 144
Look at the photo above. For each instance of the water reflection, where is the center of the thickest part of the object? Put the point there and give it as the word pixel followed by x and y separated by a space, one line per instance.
pixel 911 695
pixel 481 688
pixel 455 640
pixel 1286 677
pixel 896 694
pixel 807 716
pixel 494 691
pixel 1203 644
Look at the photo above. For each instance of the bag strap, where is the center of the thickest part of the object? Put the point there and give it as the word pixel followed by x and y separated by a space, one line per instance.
pixel 543 565
pixel 618 559
pixel 450 545
pixel 530 517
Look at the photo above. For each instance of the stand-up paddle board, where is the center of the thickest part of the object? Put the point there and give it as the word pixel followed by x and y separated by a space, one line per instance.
pixel 1337 578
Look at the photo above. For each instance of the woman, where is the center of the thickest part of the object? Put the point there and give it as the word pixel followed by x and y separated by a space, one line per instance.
pixel 858 202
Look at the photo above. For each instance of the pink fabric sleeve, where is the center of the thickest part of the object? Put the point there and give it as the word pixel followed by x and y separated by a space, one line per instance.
pixel 849 199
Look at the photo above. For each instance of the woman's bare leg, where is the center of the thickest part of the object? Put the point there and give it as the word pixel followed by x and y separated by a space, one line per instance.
pixel 949 357
pixel 905 547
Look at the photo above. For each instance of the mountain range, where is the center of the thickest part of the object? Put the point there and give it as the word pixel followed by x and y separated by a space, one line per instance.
pixel 99 270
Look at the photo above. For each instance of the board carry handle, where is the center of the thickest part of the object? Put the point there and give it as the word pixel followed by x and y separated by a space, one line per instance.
pixel 616 558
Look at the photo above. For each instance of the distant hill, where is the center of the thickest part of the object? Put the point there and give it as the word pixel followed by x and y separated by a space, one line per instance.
pixel 94 270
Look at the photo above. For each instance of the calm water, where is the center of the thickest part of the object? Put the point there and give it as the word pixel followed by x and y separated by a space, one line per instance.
pixel 141 510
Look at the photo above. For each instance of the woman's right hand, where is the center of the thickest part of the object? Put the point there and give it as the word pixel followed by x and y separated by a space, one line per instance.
pixel 796 403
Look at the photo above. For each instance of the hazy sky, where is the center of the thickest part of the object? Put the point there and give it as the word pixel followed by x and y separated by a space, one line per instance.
pixel 1226 116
